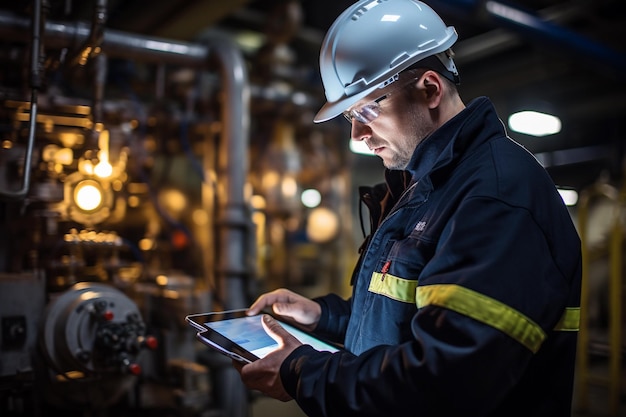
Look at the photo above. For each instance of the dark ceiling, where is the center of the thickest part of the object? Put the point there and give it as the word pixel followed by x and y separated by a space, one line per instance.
pixel 565 56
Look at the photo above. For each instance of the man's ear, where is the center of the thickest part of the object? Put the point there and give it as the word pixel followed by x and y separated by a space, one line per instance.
pixel 433 88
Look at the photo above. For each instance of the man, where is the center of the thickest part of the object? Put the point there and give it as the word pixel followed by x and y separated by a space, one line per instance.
pixel 466 296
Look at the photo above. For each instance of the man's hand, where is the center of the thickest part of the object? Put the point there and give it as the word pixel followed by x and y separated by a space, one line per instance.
pixel 264 374
pixel 288 304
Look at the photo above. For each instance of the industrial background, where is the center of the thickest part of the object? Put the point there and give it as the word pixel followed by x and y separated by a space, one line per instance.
pixel 152 162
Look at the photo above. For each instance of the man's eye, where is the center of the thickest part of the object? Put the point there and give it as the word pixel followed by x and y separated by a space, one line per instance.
pixel 370 111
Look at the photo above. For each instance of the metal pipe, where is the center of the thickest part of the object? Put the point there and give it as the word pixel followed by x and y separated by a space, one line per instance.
pixel 117 44
pixel 101 67
pixel 542 30
pixel 233 222
pixel 233 219
pixel 92 46
pixel 35 82
pixel 535 27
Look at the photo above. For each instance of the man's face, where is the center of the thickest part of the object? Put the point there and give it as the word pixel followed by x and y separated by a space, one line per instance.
pixel 402 123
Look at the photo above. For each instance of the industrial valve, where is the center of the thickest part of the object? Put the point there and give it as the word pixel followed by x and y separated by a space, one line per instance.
pixel 94 332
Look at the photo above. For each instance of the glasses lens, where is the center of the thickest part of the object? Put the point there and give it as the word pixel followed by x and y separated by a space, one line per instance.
pixel 369 112
pixel 365 114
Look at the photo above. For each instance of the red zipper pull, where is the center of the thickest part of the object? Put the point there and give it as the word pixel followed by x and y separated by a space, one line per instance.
pixel 385 270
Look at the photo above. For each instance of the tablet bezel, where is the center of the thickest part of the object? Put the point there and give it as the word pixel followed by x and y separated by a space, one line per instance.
pixel 226 346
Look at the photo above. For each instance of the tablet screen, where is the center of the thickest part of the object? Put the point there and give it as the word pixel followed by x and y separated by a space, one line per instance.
pixel 248 332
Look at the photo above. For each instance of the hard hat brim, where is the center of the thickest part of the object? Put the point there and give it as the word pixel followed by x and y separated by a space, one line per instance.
pixel 330 110
pixel 333 109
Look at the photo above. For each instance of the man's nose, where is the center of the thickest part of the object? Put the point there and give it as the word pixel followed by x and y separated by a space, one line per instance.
pixel 360 131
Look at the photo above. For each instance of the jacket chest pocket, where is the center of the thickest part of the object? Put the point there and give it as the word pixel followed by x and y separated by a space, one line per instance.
pixel 398 269
pixel 391 291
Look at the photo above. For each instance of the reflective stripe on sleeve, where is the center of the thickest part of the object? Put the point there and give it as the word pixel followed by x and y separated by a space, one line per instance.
pixel 484 309
pixel 396 288
pixel 570 320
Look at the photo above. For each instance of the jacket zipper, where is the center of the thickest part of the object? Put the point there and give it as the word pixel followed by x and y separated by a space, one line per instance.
pixel 393 211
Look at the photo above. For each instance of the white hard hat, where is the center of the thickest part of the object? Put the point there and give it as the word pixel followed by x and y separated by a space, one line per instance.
pixel 371 42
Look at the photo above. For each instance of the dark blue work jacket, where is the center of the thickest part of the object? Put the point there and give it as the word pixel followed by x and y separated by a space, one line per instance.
pixel 466 296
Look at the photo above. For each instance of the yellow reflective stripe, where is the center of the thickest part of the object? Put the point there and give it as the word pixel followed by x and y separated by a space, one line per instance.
pixel 396 288
pixel 484 309
pixel 570 320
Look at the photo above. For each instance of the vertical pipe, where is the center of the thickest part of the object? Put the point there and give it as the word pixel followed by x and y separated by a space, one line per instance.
pixel 233 222
pixel 92 45
pixel 97 111
pixel 32 123
pixel 232 218
pixel 232 164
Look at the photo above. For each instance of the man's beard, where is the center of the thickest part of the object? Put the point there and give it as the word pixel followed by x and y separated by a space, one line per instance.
pixel 400 157
pixel 418 129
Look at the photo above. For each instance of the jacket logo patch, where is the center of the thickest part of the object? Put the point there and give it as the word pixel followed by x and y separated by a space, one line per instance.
pixel 420 226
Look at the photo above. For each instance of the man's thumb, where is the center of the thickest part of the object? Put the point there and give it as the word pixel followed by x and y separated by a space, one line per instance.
pixel 274 329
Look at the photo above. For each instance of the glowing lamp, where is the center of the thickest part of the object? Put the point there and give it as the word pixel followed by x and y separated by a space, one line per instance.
pixel 88 195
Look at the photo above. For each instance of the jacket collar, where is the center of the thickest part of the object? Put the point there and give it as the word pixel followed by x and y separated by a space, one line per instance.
pixel 473 126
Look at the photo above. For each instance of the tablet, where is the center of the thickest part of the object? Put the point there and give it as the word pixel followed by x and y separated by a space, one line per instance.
pixel 243 337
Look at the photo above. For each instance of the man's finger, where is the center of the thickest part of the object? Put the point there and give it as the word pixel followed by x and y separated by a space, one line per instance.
pixel 264 301
pixel 258 305
pixel 274 329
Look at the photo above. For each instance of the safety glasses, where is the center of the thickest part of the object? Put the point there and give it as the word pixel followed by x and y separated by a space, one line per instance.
pixel 371 110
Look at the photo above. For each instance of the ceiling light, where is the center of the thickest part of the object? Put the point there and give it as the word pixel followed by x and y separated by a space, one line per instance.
pixel 534 123
pixel 311 198
pixel 570 197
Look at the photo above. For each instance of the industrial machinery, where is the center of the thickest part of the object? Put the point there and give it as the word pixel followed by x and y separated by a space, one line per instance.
pixel 120 213
pixel 126 203
pixel 144 178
